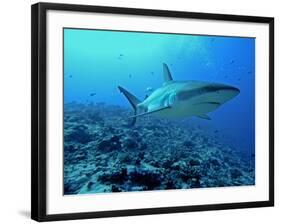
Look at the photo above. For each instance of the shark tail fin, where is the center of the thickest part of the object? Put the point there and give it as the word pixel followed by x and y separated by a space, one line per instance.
pixel 134 101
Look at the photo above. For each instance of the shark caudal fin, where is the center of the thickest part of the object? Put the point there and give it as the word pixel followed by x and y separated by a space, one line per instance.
pixel 134 101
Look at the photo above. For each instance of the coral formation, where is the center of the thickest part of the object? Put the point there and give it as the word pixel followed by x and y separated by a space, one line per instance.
pixel 103 153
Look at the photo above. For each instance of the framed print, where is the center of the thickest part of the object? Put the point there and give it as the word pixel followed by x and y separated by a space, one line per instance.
pixel 140 111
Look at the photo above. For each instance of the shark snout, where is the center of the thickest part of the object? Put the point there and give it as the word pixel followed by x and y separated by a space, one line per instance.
pixel 223 92
pixel 211 93
pixel 228 88
pixel 223 87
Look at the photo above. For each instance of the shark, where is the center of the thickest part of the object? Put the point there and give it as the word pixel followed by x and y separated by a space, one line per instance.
pixel 181 99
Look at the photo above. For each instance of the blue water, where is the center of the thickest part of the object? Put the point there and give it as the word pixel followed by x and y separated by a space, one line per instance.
pixel 97 61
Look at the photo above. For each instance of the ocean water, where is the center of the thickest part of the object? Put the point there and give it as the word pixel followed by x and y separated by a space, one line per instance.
pixel 103 153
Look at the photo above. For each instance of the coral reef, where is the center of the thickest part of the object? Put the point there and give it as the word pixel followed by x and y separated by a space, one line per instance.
pixel 103 153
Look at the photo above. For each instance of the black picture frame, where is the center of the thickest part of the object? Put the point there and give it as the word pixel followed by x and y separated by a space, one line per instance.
pixel 39 122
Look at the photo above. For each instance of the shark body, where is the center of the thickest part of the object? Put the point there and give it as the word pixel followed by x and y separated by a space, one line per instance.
pixel 180 99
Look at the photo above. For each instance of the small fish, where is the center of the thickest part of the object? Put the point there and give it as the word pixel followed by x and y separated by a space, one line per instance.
pixel 149 89
pixel 130 75
pixel 213 39
pixel 249 72
pixel 232 61
pixel 152 73
pixel 93 94
pixel 120 56
pixel 70 76
pixel 216 131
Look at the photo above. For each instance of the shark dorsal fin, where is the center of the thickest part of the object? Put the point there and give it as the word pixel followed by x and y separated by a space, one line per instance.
pixel 166 73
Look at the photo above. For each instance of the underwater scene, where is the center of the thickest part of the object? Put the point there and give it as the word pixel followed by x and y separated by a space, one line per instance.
pixel 157 111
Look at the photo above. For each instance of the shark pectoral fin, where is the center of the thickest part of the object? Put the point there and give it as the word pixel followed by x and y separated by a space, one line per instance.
pixel 150 112
pixel 204 116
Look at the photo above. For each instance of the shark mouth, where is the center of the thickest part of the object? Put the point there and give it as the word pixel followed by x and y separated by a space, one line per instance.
pixel 214 103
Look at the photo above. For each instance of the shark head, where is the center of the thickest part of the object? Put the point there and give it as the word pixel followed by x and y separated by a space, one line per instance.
pixel 193 98
pixel 178 99
pixel 188 98
pixel 196 92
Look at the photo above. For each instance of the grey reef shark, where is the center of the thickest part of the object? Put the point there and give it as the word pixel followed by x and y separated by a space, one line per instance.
pixel 181 99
